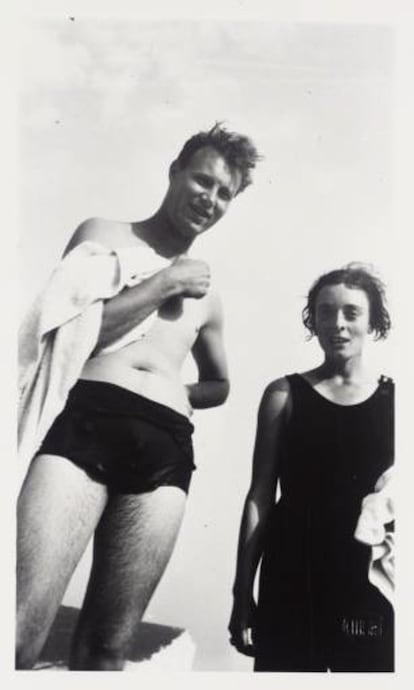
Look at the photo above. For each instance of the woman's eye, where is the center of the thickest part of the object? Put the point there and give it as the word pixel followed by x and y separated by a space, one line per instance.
pixel 324 313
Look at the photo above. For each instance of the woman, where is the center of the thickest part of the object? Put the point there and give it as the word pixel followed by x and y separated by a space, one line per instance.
pixel 327 436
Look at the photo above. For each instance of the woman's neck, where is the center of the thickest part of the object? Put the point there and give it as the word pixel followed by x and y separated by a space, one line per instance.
pixel 348 371
pixel 343 382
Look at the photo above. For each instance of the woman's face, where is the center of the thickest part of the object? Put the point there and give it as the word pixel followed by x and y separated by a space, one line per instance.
pixel 342 320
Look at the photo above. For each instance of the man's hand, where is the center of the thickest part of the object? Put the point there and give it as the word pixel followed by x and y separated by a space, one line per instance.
pixel 190 276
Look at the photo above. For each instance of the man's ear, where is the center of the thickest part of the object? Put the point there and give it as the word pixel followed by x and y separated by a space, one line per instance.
pixel 174 168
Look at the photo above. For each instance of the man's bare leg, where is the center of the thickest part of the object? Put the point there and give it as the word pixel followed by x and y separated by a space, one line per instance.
pixel 133 544
pixel 58 510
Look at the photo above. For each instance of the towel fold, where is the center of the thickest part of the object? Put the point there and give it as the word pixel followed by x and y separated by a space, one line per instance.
pixel 374 528
pixel 61 329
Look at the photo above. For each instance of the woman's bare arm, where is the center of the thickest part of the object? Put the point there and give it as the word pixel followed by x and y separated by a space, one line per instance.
pixel 273 411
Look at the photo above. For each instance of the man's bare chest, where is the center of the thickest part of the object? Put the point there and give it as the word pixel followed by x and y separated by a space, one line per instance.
pixel 178 322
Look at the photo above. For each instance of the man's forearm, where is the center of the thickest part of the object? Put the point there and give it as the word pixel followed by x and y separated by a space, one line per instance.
pixel 208 393
pixel 132 306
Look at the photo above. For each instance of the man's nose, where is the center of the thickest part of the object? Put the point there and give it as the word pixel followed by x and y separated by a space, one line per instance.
pixel 207 199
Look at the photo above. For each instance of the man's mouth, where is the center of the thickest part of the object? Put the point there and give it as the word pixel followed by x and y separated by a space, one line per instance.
pixel 199 212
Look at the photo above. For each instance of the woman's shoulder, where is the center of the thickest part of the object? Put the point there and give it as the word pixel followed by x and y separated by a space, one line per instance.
pixel 276 395
pixel 279 385
pixel 386 388
pixel 386 380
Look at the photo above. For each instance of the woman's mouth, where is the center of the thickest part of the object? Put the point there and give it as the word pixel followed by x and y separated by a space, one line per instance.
pixel 338 340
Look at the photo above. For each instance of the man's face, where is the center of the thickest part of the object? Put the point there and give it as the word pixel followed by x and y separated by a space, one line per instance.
pixel 200 193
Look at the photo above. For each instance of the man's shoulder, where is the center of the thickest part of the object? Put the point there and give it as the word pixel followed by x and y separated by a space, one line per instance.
pixel 111 233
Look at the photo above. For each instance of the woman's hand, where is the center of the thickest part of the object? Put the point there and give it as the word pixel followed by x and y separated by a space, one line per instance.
pixel 240 627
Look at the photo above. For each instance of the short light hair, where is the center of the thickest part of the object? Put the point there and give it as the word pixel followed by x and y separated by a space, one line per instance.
pixel 238 151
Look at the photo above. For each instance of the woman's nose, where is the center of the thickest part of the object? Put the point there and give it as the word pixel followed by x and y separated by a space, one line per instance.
pixel 339 320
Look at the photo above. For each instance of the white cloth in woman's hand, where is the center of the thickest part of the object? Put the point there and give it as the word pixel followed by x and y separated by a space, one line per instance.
pixel 377 512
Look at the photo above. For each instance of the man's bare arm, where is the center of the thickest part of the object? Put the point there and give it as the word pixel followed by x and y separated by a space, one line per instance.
pixel 213 385
pixel 186 277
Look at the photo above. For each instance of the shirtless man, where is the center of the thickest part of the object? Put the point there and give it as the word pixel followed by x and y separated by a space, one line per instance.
pixel 117 462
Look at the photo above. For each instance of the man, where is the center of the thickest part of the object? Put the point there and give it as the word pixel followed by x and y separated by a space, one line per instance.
pixel 117 462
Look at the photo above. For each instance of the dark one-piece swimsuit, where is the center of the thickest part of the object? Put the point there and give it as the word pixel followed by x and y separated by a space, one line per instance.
pixel 316 609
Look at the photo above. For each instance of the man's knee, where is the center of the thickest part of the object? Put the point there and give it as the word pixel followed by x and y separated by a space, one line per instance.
pixel 25 657
pixel 96 651
pixel 33 623
pixel 28 647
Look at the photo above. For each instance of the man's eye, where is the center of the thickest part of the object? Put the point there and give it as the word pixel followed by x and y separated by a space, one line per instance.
pixel 225 195
pixel 201 179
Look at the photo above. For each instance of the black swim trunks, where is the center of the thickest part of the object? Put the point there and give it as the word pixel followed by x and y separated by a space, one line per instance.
pixel 121 439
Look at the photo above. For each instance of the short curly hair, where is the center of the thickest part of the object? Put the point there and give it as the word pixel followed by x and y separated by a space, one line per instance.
pixel 237 149
pixel 358 276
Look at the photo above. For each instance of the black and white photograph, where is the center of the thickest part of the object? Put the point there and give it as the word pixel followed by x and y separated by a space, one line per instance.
pixel 209 364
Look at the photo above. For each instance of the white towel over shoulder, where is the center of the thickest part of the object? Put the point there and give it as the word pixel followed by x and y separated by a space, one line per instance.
pixel 61 329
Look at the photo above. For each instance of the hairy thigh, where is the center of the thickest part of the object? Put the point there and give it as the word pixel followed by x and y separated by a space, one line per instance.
pixel 133 544
pixel 58 510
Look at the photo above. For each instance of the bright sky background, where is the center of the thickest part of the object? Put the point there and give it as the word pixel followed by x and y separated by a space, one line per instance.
pixel 105 105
